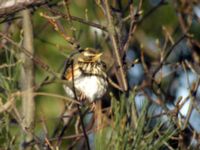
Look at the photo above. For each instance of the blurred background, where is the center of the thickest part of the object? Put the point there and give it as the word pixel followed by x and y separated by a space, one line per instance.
pixel 159 48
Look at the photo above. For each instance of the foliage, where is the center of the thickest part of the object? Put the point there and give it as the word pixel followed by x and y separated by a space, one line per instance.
pixel 151 49
pixel 124 133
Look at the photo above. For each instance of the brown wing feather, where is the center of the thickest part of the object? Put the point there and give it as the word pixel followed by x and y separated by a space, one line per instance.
pixel 69 73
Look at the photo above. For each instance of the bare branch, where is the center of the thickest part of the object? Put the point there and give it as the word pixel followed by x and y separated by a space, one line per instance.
pixel 27 77
pixel 111 31
pixel 8 7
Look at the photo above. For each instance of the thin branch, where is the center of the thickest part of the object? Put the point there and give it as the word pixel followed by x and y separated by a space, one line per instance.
pixel 59 28
pixel 189 112
pixel 112 83
pixel 167 54
pixel 79 110
pixel 27 78
pixel 161 3
pixel 111 31
pixel 77 19
pixel 8 105
pixel 57 96
pixel 43 65
pixel 10 7
pixel 133 24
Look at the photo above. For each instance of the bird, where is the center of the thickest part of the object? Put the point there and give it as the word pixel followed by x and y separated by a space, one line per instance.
pixel 86 75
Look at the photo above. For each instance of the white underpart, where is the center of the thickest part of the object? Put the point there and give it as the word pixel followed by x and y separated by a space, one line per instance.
pixel 88 86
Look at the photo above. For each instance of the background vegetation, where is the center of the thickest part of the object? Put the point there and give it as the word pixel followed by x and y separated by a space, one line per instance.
pixel 151 49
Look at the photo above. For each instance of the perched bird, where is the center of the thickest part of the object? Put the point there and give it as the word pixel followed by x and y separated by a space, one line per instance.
pixel 87 75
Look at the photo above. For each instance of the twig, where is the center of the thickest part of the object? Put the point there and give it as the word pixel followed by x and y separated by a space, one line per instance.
pixel 15 113
pixel 167 54
pixel 133 24
pixel 79 110
pixel 6 106
pixel 111 31
pixel 77 19
pixel 57 96
pixel 161 3
pixel 57 26
pixel 10 7
pixel 189 112
pixel 27 53
pixel 114 84
pixel 10 65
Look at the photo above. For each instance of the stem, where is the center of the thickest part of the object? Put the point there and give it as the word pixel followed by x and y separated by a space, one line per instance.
pixel 79 110
pixel 27 80
pixel 111 31
pixel 10 7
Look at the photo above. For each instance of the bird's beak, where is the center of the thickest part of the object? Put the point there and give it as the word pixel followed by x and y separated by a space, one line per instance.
pixel 98 56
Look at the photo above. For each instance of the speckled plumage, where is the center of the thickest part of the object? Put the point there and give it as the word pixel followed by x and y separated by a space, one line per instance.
pixel 89 76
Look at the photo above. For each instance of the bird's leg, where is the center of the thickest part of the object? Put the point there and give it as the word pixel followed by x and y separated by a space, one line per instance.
pixel 77 124
pixel 81 97
pixel 98 114
pixel 93 106
pixel 68 114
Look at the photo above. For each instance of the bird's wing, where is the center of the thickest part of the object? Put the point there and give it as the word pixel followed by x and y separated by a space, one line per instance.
pixel 72 71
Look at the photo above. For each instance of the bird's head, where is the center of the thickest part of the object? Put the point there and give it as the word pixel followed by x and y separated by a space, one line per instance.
pixel 90 55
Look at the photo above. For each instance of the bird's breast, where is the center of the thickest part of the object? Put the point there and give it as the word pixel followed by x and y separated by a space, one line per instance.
pixel 93 87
